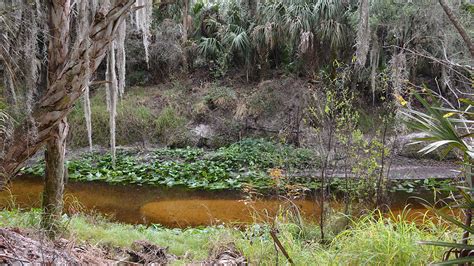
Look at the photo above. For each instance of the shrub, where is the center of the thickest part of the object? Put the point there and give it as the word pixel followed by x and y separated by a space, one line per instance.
pixel 171 128
pixel 220 97
pixel 135 123
pixel 167 57
pixel 264 101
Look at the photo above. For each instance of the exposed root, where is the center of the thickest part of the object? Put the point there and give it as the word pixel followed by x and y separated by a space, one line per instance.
pixel 148 253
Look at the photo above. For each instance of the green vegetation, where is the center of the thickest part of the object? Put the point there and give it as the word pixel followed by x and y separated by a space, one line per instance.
pixel 446 129
pixel 220 97
pixel 257 163
pixel 329 76
pixel 245 162
pixel 369 240
pixel 170 128
pixel 137 122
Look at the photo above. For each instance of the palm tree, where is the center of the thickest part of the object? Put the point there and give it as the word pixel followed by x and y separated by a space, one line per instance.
pixel 4 121
pixel 298 25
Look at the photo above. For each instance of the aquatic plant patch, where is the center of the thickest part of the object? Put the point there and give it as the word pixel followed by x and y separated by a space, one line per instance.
pixel 243 163
pixel 260 164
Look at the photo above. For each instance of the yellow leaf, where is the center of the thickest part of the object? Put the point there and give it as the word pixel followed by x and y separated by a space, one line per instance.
pixel 448 114
pixel 400 100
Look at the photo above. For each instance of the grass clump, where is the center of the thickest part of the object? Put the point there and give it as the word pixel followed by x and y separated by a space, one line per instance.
pixel 133 122
pixel 373 240
pixel 369 240
pixel 220 97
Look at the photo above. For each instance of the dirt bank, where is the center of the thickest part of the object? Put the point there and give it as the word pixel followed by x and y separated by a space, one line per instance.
pixel 18 247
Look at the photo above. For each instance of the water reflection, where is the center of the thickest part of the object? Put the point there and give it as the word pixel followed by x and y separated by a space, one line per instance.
pixel 172 207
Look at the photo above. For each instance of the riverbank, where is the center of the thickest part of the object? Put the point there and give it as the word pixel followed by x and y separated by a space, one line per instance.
pixel 368 240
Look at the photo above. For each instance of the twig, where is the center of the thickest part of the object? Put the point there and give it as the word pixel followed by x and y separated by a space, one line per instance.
pixel 14 258
pixel 280 246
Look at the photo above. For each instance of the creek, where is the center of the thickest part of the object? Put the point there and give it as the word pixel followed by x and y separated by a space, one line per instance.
pixel 175 207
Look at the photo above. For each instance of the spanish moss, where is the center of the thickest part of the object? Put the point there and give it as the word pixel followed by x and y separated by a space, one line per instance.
pixel 143 22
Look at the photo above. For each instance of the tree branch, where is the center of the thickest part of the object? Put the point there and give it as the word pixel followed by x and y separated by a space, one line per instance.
pixel 63 92
pixel 458 26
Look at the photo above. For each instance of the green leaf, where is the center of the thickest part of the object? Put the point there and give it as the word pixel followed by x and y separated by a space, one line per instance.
pixel 467 101
pixel 450 219
pixel 447 244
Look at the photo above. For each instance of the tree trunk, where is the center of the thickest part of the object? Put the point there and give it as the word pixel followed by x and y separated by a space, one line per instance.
pixel 458 26
pixel 186 25
pixel 185 20
pixel 59 30
pixel 63 91
pixel 54 180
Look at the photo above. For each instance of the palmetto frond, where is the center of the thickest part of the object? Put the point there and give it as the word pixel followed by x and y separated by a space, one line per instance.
pixel 449 129
pixel 237 39
pixel 292 19
pixel 209 47
pixel 444 130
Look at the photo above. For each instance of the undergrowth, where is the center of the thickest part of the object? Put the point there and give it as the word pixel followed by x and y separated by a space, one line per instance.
pixel 138 121
pixel 369 240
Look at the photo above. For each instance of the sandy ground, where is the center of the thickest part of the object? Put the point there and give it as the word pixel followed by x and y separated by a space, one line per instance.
pixel 408 168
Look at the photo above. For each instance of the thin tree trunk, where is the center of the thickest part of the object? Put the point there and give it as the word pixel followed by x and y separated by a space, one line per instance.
pixel 185 20
pixel 63 92
pixel 363 33
pixel 185 30
pixel 54 179
pixel 458 26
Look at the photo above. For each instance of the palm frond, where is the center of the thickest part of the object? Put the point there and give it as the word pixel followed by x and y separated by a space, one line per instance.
pixel 209 47
pixel 441 129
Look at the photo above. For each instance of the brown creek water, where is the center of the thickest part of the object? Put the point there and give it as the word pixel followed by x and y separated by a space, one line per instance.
pixel 171 207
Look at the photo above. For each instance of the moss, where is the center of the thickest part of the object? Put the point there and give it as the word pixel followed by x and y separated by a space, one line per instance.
pixel 3 105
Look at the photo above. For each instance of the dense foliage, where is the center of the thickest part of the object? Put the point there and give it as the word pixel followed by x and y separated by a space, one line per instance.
pixel 246 162
pixel 296 70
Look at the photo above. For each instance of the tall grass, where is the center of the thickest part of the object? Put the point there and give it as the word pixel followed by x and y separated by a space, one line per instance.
pixel 370 240
pixel 374 240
